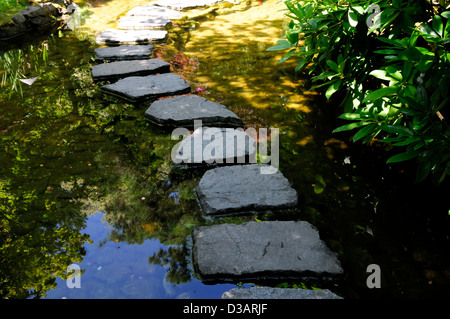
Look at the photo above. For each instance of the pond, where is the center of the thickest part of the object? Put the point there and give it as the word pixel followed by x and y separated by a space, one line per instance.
pixel 86 180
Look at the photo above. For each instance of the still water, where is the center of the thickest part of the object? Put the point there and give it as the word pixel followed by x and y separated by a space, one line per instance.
pixel 86 181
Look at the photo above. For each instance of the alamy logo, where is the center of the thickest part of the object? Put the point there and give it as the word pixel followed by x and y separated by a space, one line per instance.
pixel 374 279
pixel 74 279
pixel 374 20
pixel 227 145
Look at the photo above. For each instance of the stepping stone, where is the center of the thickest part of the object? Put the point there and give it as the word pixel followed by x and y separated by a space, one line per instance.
pixel 269 249
pixel 154 11
pixel 185 4
pixel 142 88
pixel 117 37
pixel 124 52
pixel 241 188
pixel 208 145
pixel 142 22
pixel 182 111
pixel 121 69
pixel 278 293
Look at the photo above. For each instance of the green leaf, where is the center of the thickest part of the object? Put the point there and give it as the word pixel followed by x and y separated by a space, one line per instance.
pixel 396 129
pixel 350 116
pixel 287 56
pixel 301 64
pixel 403 156
pixel 365 131
pixel 333 88
pixel 438 26
pixel 351 126
pixel 332 65
pixel 380 74
pixel 375 95
pixel 387 51
pixel 397 43
pixel 292 37
pixel 352 18
pixel 423 170
pixel 407 141
pixel 282 45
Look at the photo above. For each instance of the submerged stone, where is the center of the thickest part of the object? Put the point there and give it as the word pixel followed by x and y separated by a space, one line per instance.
pixel 154 11
pixel 278 293
pixel 120 69
pixel 117 37
pixel 269 249
pixel 124 52
pixel 182 111
pixel 213 145
pixel 185 4
pixel 142 88
pixel 142 22
pixel 241 188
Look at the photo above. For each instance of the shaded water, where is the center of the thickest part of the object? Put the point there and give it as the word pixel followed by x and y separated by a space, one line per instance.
pixel 86 180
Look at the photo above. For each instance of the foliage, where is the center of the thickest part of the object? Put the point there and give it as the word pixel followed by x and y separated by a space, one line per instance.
pixel 9 8
pixel 17 65
pixel 34 248
pixel 390 61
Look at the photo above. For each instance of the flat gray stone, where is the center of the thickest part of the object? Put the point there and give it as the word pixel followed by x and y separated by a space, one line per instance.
pixel 142 22
pixel 124 52
pixel 278 293
pixel 213 145
pixel 154 11
pixel 185 4
pixel 142 88
pixel 121 69
pixel 269 249
pixel 117 37
pixel 241 188
pixel 182 111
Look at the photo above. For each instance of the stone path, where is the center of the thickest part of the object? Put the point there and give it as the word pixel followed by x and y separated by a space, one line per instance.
pixel 227 252
pixel 122 69
pixel 243 188
pixel 280 249
pixel 182 111
pixel 136 89
pixel 118 37
pixel 124 52
pixel 214 145
pixel 278 293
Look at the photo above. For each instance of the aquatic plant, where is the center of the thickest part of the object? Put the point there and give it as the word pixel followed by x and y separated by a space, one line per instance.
pixel 16 66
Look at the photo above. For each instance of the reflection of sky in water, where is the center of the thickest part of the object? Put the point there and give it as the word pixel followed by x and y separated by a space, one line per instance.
pixel 119 270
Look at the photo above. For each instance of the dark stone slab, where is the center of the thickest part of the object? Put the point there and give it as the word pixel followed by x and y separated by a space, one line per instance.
pixel 213 145
pixel 124 52
pixel 154 11
pixel 278 293
pixel 118 37
pixel 121 69
pixel 266 250
pixel 142 88
pixel 242 188
pixel 142 23
pixel 182 111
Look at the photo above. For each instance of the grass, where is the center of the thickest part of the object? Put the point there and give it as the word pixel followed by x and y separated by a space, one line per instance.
pixel 8 8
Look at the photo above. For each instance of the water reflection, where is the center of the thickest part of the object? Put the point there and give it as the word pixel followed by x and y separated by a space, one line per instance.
pixel 67 153
pixel 84 179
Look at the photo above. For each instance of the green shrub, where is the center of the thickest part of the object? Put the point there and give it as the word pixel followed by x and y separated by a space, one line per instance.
pixel 390 61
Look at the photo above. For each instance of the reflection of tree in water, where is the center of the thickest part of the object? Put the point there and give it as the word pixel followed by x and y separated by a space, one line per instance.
pixel 175 260
pixel 39 238
pixel 68 152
